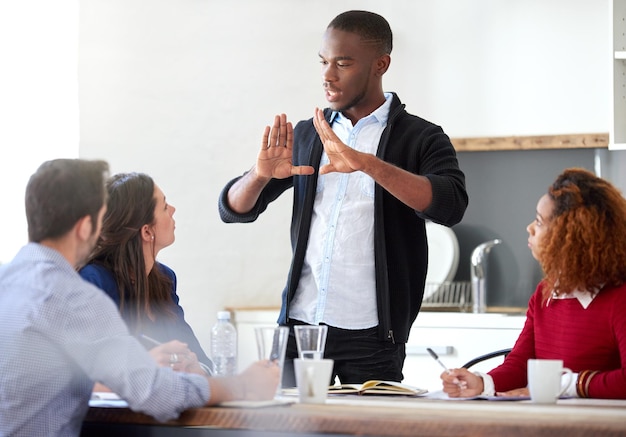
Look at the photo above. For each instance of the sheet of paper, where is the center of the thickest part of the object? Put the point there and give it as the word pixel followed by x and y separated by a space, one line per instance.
pixel 257 404
pixel 107 400
pixel 443 396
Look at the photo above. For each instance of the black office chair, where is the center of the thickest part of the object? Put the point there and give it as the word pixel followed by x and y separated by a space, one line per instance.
pixel 494 354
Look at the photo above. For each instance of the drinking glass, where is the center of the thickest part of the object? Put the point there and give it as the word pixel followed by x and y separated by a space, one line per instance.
pixel 311 341
pixel 271 345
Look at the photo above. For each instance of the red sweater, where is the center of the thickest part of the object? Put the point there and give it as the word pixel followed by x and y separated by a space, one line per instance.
pixel 592 339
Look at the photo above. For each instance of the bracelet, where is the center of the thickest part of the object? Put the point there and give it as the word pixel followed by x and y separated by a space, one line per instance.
pixel 582 385
pixel 579 384
pixel 588 380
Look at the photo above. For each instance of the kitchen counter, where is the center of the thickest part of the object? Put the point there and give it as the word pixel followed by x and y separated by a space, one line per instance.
pixel 456 337
pixel 490 310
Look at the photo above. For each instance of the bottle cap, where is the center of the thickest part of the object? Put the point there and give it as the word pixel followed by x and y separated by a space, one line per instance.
pixel 223 315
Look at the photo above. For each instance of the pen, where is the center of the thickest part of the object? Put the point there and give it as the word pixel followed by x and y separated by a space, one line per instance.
pixel 151 340
pixel 461 384
pixel 206 368
pixel 436 358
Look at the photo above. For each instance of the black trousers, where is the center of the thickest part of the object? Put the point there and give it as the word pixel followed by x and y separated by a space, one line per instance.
pixel 358 356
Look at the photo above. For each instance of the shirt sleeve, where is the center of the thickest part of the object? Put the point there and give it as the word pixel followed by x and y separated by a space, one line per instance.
pixel 489 388
pixel 96 338
pixel 611 384
pixel 184 329
pixel 512 373
pixel 439 163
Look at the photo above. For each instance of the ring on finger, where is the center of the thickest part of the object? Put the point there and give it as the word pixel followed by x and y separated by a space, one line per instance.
pixel 173 358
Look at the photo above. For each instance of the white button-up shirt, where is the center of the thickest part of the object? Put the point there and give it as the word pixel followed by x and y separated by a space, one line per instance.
pixel 338 284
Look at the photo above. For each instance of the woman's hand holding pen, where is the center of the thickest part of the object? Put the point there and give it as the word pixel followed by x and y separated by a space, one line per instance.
pixel 461 383
pixel 176 355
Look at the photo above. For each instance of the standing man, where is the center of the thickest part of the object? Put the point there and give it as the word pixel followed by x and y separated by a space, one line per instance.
pixel 60 334
pixel 366 174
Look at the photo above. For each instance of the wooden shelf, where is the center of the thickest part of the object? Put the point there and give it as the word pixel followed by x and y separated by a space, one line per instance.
pixel 539 142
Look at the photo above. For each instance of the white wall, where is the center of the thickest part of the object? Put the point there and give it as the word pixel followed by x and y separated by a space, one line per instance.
pixel 38 101
pixel 183 89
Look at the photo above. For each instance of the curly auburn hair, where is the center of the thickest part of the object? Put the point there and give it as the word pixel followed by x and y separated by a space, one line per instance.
pixel 585 244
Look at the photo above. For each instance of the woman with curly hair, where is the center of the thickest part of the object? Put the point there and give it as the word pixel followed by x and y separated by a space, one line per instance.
pixel 578 312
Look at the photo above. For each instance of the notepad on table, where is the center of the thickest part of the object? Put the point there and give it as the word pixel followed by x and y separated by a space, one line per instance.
pixel 377 387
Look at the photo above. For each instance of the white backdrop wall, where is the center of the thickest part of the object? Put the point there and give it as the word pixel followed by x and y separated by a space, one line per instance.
pixel 182 90
pixel 38 101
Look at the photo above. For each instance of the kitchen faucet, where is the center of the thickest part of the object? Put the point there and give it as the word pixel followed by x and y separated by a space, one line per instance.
pixel 479 283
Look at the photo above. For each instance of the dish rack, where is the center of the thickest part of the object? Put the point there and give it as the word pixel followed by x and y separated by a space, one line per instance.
pixel 452 296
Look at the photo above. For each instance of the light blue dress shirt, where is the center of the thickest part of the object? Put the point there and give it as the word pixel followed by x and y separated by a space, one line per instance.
pixel 338 284
pixel 60 334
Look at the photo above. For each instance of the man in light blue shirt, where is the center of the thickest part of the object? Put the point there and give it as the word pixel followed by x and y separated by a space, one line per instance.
pixel 60 334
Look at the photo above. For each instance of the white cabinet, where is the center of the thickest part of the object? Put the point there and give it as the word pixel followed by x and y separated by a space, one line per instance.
pixel 245 320
pixel 617 135
pixel 455 337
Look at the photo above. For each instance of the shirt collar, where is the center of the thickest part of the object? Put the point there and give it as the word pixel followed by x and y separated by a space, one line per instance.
pixel 381 114
pixel 584 297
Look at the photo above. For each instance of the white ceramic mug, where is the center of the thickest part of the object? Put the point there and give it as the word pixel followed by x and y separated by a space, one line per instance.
pixel 313 379
pixel 544 380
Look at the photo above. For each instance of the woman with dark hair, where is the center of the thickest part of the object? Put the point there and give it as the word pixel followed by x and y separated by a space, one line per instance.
pixel 577 314
pixel 139 223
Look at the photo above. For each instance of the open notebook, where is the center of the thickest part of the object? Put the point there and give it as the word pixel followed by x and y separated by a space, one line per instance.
pixel 377 387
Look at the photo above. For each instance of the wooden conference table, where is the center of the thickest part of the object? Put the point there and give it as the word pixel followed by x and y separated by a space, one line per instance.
pixel 376 416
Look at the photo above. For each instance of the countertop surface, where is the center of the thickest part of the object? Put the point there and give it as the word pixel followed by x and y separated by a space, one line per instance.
pixel 395 416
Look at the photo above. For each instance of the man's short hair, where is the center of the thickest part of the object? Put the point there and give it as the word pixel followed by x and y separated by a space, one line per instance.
pixel 370 26
pixel 61 192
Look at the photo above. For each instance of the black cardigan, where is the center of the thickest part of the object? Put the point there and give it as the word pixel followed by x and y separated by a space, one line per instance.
pixel 401 252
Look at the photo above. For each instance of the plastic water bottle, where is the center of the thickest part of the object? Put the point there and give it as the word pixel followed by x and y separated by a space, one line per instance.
pixel 224 345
